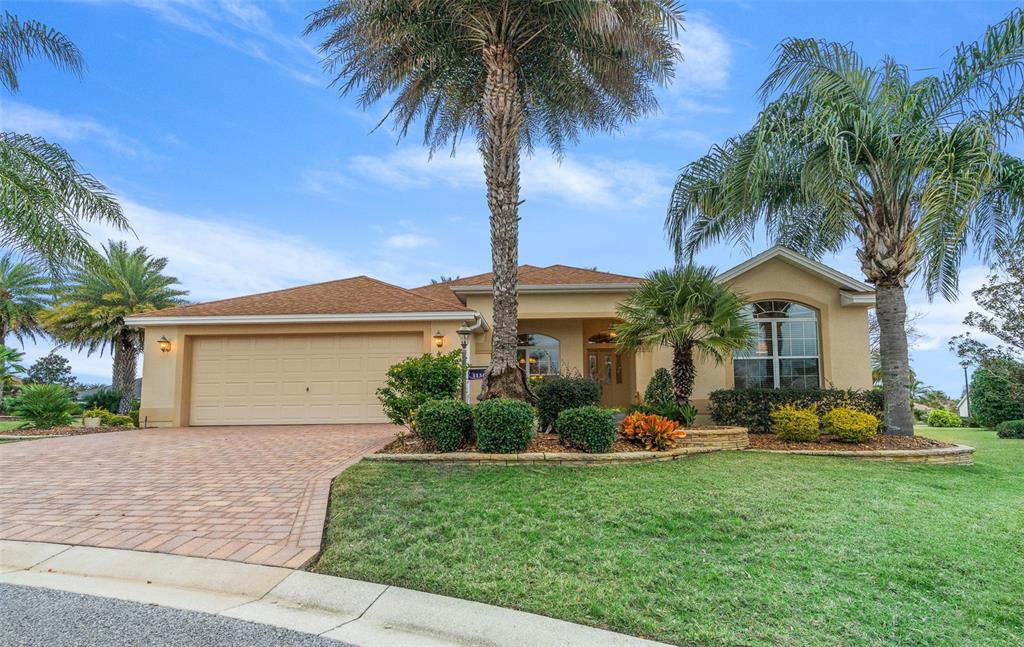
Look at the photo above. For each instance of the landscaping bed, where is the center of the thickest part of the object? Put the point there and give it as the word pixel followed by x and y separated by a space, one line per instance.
pixel 825 442
pixel 61 431
pixel 540 443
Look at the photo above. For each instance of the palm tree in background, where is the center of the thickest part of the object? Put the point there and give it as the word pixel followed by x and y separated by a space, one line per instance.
pixel 688 311
pixel 915 171
pixel 10 366
pixel 99 293
pixel 45 199
pixel 513 72
pixel 24 294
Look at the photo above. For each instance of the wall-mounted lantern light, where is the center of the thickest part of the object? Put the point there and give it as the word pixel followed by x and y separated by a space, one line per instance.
pixel 438 339
pixel 164 344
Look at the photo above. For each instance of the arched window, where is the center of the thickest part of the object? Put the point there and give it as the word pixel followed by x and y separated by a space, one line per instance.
pixel 538 354
pixel 785 354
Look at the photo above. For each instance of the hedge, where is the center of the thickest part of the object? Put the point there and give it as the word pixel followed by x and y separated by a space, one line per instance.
pixel 1010 429
pixel 503 426
pixel 446 423
pixel 943 418
pixel 589 428
pixel 997 395
pixel 752 408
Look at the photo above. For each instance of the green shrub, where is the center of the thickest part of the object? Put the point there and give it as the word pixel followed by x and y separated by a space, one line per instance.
pixel 684 414
pixel 752 408
pixel 109 399
pixel 1010 429
pixel 45 405
pixel 134 415
pixel 503 426
pixel 997 393
pixel 114 420
pixel 849 425
pixel 95 413
pixel 943 418
pixel 555 395
pixel 792 423
pixel 589 428
pixel 445 423
pixel 659 389
pixel 417 380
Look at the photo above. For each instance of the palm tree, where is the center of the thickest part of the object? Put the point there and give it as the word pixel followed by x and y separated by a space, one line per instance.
pixel 915 171
pixel 44 197
pixel 687 310
pixel 24 294
pixel 513 72
pixel 99 293
pixel 10 366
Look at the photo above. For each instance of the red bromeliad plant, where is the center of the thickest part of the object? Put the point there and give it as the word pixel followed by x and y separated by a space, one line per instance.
pixel 652 431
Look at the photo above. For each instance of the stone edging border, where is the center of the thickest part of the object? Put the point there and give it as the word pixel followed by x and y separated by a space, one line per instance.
pixel 551 458
pixel 956 455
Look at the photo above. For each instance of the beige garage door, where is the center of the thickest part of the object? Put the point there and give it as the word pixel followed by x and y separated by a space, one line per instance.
pixel 293 379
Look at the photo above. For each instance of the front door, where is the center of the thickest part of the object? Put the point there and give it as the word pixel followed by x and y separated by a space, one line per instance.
pixel 612 371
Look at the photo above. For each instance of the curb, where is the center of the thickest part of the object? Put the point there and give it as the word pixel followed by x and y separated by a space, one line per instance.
pixel 356 612
pixel 955 455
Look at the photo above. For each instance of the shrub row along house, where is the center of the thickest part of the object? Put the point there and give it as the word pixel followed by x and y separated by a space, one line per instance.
pixel 318 353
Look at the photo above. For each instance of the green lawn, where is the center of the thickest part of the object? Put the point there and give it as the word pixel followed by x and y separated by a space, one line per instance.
pixel 731 548
pixel 8 426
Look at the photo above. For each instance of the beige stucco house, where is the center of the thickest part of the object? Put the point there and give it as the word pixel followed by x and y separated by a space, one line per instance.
pixel 317 353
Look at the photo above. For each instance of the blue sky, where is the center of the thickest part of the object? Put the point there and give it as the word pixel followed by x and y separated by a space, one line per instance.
pixel 213 123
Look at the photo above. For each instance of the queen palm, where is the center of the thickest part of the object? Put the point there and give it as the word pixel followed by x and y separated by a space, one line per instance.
pixel 688 311
pixel 914 171
pixel 99 293
pixel 45 198
pixel 513 72
pixel 24 294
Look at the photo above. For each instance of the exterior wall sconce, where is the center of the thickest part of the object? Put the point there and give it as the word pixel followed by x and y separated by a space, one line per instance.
pixel 164 344
pixel 438 339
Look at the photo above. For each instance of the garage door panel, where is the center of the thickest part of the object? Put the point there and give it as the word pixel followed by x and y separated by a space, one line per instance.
pixel 264 379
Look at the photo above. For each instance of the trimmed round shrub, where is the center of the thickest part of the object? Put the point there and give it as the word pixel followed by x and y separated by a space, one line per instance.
pixel 555 395
pixel 589 428
pixel 114 420
pixel 1010 429
pixel 792 423
pixel 659 389
pixel 45 405
pixel 943 418
pixel 849 425
pixel 503 426
pixel 446 423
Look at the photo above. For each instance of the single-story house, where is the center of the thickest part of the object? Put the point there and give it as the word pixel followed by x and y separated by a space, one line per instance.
pixel 318 353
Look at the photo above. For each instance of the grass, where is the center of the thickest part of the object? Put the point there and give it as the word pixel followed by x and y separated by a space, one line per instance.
pixel 731 548
pixel 11 425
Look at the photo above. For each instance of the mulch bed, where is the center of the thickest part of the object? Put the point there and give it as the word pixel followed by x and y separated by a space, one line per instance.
pixel 62 431
pixel 879 442
pixel 410 444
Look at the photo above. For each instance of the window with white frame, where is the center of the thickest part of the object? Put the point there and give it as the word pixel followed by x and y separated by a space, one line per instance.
pixel 538 354
pixel 785 353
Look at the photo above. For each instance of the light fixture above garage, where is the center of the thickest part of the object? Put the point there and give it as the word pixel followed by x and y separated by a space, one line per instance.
pixel 164 344
pixel 438 339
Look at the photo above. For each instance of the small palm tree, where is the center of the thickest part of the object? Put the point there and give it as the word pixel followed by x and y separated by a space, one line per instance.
pixel 99 293
pixel 24 294
pixel 687 310
pixel 44 196
pixel 514 72
pixel 914 171
pixel 10 366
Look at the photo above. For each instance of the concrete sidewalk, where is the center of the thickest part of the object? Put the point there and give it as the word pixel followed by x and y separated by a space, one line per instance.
pixel 361 613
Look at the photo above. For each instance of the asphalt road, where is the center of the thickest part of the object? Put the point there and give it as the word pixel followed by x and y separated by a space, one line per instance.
pixel 31 617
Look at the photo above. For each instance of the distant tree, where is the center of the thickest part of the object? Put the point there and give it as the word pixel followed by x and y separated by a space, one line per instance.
pixel 24 294
pixel 52 369
pixel 1002 300
pixel 444 279
pixel 99 294
pixel 45 199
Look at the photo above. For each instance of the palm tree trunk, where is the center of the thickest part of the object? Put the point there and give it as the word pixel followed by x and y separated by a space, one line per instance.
pixel 126 360
pixel 683 372
pixel 891 309
pixel 500 151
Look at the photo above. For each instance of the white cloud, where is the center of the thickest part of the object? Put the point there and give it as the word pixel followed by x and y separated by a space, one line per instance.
pixel 408 241
pixel 590 181
pixel 941 319
pixel 23 118
pixel 706 54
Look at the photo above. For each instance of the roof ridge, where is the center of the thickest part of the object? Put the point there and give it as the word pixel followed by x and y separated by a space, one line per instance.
pixel 447 306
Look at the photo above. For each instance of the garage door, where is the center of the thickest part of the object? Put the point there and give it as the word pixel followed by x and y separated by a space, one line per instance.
pixel 293 379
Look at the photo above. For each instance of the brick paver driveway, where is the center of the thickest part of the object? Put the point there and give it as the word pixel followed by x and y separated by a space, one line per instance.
pixel 251 494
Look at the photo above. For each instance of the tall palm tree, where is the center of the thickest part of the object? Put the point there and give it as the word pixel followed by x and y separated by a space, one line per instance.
pixel 513 72
pixel 915 171
pixel 24 294
pixel 102 290
pixel 687 310
pixel 45 198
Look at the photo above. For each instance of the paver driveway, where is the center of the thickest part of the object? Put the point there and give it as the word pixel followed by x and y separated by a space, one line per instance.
pixel 251 494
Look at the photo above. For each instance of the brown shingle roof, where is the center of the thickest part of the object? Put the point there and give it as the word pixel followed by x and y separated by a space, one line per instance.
pixel 356 295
